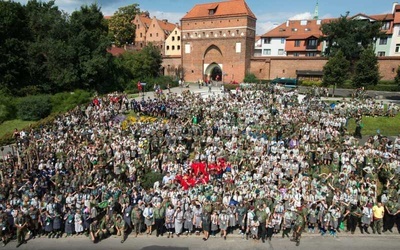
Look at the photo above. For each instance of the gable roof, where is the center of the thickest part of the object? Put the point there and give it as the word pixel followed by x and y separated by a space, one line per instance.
pixel 221 9
pixel 145 19
pixel 296 29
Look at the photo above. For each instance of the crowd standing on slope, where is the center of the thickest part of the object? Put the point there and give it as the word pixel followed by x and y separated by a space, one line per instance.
pixel 254 161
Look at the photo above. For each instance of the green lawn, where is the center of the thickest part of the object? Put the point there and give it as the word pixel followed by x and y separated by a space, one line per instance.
pixel 388 126
pixel 9 126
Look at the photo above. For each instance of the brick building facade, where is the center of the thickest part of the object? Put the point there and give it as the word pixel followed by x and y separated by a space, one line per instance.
pixel 217 41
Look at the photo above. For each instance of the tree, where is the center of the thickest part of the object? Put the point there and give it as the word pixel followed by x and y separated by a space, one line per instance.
pixel 366 69
pixel 120 25
pixel 397 77
pixel 351 36
pixel 14 37
pixel 50 55
pixel 89 41
pixel 143 64
pixel 336 70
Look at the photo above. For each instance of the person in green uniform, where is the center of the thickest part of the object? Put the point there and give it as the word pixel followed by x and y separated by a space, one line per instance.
pixel 21 224
pixel 120 226
pixel 299 224
pixel 95 232
pixel 137 220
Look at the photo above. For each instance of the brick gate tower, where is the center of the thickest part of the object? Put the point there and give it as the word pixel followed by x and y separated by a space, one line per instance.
pixel 218 41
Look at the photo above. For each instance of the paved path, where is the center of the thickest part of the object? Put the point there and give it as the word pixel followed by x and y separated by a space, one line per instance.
pixel 380 242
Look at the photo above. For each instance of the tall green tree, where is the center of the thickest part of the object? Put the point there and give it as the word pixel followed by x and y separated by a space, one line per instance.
pixel 351 36
pixel 89 40
pixel 336 70
pixel 14 37
pixel 366 69
pixel 50 55
pixel 144 63
pixel 121 27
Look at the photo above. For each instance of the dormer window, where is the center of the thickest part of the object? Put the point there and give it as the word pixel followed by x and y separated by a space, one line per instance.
pixel 212 9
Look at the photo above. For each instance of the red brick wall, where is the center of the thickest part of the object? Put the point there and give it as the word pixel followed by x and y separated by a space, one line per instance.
pixel 234 65
pixel 171 63
pixel 272 67
pixel 388 67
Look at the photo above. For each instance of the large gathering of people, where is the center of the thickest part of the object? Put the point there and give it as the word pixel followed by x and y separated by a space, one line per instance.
pixel 260 162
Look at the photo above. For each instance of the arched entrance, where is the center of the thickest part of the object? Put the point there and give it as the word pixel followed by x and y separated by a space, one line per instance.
pixel 213 72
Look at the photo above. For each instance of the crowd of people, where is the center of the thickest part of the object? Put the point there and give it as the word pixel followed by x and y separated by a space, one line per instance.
pixel 260 162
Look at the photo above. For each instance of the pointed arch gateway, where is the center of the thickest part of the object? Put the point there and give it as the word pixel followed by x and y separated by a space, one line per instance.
pixel 212 63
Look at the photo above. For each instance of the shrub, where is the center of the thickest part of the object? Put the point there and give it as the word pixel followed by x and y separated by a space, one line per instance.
pixel 390 88
pixel 7 107
pixel 150 178
pixel 63 102
pixel 386 82
pixel 311 83
pixel 34 108
pixel 250 78
pixel 231 86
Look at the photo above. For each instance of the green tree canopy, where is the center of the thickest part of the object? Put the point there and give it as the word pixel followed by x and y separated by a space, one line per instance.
pixel 336 70
pixel 144 63
pixel 351 36
pixel 14 37
pixel 366 69
pixel 121 28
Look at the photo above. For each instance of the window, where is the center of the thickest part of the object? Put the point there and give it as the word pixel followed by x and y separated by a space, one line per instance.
pixel 151 34
pixel 238 47
pixel 381 53
pixel 211 12
pixel 282 40
pixel 173 38
pixel 386 25
pixel 294 29
pixel 187 48
pixel 297 43
pixel 397 48
pixel 211 34
pixel 312 42
pixel 156 34
pixel 138 26
pixel 383 41
pixel 141 34
pixel 173 47
pixel 176 32
pixel 296 54
pixel 266 52
pixel 178 38
pixel 267 40
pixel 281 52
pixel 178 47
pixel 167 47
pixel 311 54
pixel 154 25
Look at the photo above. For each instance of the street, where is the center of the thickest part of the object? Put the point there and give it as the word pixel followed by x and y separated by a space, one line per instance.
pixel 316 242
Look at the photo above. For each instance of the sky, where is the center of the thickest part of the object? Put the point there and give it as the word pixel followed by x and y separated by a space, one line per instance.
pixel 268 12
